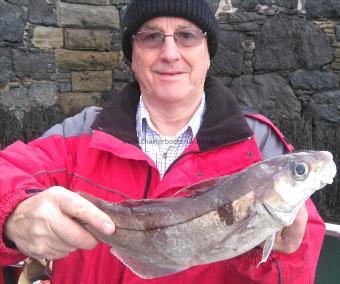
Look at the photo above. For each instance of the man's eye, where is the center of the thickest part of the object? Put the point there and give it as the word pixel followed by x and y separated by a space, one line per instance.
pixel 186 35
pixel 152 36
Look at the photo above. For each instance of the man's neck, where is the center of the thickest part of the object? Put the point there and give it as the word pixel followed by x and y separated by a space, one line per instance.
pixel 171 118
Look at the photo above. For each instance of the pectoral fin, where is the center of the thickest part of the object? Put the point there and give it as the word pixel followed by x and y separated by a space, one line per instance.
pixel 268 245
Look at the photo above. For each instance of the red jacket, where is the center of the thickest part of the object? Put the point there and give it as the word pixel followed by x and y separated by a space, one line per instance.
pixel 103 158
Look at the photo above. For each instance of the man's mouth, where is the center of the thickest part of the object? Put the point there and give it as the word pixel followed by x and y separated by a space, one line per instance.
pixel 169 73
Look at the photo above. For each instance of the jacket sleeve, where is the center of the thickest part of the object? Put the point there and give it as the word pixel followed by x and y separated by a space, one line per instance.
pixel 27 169
pixel 298 267
pixel 21 166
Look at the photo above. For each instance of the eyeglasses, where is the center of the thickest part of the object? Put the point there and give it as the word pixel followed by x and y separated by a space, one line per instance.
pixel 155 39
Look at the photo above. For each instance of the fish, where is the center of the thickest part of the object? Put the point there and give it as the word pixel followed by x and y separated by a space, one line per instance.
pixel 217 219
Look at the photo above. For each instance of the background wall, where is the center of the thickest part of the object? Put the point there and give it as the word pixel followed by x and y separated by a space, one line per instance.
pixel 281 57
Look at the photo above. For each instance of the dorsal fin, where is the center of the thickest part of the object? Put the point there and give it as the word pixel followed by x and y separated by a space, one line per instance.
pixel 200 187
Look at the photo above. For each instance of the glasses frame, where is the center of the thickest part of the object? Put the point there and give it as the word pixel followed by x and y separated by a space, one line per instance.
pixel 178 42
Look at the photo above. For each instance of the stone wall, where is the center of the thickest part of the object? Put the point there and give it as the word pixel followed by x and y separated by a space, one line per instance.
pixel 281 57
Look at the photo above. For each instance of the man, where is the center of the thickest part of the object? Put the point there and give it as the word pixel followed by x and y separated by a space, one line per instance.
pixel 174 128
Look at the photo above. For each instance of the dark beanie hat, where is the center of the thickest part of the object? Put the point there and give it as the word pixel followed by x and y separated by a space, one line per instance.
pixel 140 11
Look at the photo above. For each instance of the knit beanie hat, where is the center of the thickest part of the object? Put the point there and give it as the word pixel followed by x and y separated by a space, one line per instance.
pixel 140 11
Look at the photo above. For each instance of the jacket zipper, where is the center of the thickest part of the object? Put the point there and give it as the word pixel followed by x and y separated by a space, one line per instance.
pixel 147 183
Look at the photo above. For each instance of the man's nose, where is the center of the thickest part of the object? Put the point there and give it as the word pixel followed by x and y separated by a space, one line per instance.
pixel 170 50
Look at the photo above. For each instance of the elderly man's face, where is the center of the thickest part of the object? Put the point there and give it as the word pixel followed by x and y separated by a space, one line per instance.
pixel 170 73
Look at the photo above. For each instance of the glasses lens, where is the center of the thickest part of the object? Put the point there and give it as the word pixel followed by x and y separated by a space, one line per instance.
pixel 189 38
pixel 149 39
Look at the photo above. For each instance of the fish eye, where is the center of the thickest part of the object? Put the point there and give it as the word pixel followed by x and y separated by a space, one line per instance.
pixel 300 170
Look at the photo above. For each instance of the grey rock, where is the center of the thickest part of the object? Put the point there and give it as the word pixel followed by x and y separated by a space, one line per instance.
pixel 124 75
pixel 15 101
pixel 248 71
pixel 42 12
pixel 23 3
pixel 32 65
pixel 90 2
pixel 42 93
pixel 337 32
pixel 314 80
pixel 64 86
pixel 248 56
pixel 12 22
pixel 39 119
pixel 269 11
pixel 240 17
pixel 116 41
pixel 270 94
pixel 291 43
pixel 251 5
pixel 248 64
pixel 87 16
pixel 10 127
pixel 6 70
pixel 213 4
pixel 326 106
pixel 247 27
pixel 322 9
pixel 229 58
pixel 60 76
pixel 120 2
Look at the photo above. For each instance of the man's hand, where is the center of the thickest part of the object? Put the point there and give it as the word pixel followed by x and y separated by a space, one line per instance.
pixel 43 227
pixel 290 238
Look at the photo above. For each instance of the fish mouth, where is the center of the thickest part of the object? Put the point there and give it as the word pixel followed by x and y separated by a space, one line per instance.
pixel 328 174
pixel 274 211
pixel 269 209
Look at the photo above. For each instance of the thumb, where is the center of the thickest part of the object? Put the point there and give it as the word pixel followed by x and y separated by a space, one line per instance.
pixel 77 207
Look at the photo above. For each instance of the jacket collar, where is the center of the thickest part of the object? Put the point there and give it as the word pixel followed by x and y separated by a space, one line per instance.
pixel 223 121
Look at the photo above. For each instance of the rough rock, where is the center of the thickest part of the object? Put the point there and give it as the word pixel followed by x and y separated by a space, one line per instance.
pixel 326 106
pixel 323 9
pixel 72 103
pixel 314 80
pixel 42 12
pixel 42 94
pixel 12 22
pixel 86 60
pixel 291 43
pixel 6 70
pixel 48 37
pixel 270 94
pixel 33 65
pixel 87 16
pixel 92 81
pixel 229 58
pixel 90 2
pixel 81 39
pixel 337 32
pixel 251 5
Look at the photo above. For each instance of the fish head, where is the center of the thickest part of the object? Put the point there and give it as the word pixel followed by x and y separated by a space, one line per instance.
pixel 295 178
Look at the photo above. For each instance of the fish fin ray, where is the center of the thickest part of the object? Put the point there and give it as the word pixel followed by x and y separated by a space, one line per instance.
pixel 268 246
pixel 145 270
pixel 201 187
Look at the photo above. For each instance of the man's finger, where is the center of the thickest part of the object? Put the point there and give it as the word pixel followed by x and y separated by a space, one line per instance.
pixel 75 206
pixel 73 234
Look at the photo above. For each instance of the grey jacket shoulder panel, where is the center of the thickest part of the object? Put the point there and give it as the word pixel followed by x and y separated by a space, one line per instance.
pixel 75 125
pixel 268 142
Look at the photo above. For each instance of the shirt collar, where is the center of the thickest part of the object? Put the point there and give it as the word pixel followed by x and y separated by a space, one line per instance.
pixel 143 116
